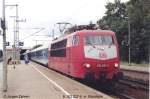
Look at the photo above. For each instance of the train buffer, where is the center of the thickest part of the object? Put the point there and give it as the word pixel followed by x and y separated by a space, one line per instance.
pixel 33 81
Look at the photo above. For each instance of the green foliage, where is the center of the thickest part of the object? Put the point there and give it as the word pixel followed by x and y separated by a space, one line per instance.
pixel 138 16
pixel 137 13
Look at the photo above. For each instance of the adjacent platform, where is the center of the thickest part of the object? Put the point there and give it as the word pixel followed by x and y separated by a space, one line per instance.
pixel 135 68
pixel 136 73
pixel 33 81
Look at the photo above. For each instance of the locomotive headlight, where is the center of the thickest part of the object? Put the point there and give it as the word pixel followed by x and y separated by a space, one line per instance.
pixel 87 65
pixel 116 65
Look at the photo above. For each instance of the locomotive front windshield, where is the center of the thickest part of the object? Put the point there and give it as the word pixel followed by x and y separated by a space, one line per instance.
pixel 98 40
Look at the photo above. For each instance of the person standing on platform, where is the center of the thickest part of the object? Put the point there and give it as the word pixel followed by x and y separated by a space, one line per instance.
pixel 26 58
pixel 9 60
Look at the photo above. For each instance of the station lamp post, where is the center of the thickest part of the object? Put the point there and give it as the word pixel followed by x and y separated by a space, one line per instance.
pixel 4 48
pixel 129 41
pixel 16 32
pixel 16 25
pixel 14 45
pixel 4 41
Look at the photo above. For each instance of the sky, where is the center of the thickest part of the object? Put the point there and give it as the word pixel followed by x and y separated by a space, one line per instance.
pixel 42 15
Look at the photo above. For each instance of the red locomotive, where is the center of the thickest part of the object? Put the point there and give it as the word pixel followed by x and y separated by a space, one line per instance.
pixel 91 54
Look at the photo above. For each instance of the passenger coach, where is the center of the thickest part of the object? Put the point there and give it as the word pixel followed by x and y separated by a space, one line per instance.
pixel 39 55
pixel 85 54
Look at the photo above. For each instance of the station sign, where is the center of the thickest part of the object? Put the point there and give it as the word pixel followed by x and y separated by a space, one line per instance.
pixel 7 43
pixel 21 43
pixel 2 24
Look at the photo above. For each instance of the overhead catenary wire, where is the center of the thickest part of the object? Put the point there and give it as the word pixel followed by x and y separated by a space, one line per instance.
pixel 32 34
pixel 67 19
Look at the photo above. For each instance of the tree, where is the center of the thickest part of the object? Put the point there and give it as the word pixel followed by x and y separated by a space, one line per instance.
pixel 138 14
pixel 115 20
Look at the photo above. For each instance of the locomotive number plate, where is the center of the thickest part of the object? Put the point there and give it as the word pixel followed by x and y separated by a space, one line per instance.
pixel 102 65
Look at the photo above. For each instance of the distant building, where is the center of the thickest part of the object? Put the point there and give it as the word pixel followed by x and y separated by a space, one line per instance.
pixel 15 54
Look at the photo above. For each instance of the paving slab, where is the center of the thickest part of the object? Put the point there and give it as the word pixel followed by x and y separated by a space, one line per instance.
pixel 33 81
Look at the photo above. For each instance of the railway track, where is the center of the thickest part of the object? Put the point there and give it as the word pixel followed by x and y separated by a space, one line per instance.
pixel 127 88
pixel 136 81
pixel 132 89
pixel 137 76
pixel 124 96
pixel 135 84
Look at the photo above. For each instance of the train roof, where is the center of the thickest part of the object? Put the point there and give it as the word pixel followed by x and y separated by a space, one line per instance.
pixel 26 52
pixel 37 49
pixel 99 31
pixel 40 48
pixel 82 32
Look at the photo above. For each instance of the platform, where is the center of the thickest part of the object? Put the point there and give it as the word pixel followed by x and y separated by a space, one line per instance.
pixel 135 68
pixel 33 81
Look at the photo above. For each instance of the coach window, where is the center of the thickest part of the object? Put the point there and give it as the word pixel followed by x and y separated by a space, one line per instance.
pixel 46 52
pixel 75 40
pixel 58 49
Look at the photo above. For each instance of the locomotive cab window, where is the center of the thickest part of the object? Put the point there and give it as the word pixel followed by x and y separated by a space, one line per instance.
pixel 108 40
pixel 98 40
pixel 75 40
pixel 58 49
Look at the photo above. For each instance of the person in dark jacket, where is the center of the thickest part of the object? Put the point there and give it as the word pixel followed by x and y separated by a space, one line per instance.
pixel 9 60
